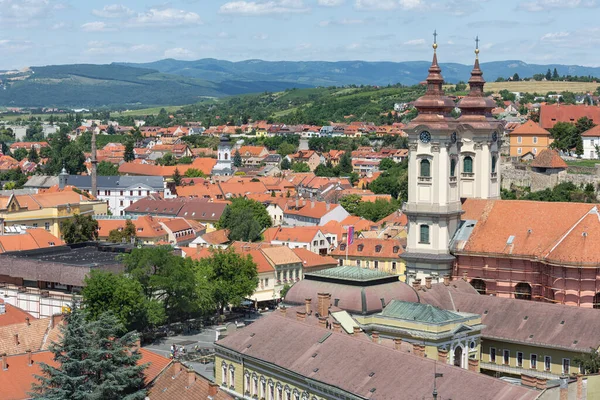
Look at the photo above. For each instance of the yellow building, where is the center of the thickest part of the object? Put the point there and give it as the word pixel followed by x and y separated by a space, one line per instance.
pixel 529 138
pixel 48 210
pixel 376 254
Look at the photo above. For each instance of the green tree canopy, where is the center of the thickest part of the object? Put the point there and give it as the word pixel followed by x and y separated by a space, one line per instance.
pixel 194 173
pixel 105 168
pixel 95 361
pixel 177 177
pixel 237 159
pixel 565 136
pixel 19 154
pixel 590 362
pixel 345 165
pixel 81 228
pixel 285 164
pixel 129 154
pixel 33 155
pixel 232 215
pixel 126 235
pixel 300 167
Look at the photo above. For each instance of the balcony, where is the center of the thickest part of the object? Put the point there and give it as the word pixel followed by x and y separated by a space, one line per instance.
pixel 425 179
pixel 468 175
pixel 453 179
pixel 507 369
pixel 494 175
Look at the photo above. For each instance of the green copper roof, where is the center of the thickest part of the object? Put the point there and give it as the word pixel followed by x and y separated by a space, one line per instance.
pixel 351 273
pixel 418 312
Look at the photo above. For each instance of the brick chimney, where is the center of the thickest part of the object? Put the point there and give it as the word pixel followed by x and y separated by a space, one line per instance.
pixel 29 361
pixel 27 321
pixel 443 356
pixel 397 344
pixel 307 303
pixel 323 305
pixel 540 383
pixel 417 284
pixel 428 280
pixel 580 387
pixel 322 321
pixel 191 377
pixel 4 362
pixel 417 350
pixel 213 389
pixel 176 367
pixel 473 364
pixel 337 327
pixel 283 311
pixel 528 381
pixel 564 387
pixel 465 276
pixel 356 330
pixel 375 337
pixel 300 316
pixel 446 280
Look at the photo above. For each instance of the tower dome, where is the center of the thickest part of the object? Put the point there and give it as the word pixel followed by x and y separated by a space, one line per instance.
pixel 476 104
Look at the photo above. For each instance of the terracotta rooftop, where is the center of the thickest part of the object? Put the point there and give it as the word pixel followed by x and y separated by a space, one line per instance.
pixel 550 114
pixel 297 234
pixel 34 335
pixel 35 238
pixel 548 158
pixel 145 227
pixel 13 315
pixel 281 255
pixel 220 236
pixel 593 132
pixel 312 260
pixel 529 128
pixel 316 354
pixel 371 248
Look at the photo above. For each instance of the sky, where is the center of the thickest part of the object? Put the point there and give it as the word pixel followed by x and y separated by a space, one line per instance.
pixel 46 32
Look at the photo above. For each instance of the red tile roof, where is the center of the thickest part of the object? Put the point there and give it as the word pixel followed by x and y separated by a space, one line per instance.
pixel 220 236
pixel 312 260
pixel 13 315
pixel 203 164
pixel 594 132
pixel 551 114
pixel 35 238
pixel 298 234
pixel 529 128
pixel 548 158
pixel 369 249
pixel 16 381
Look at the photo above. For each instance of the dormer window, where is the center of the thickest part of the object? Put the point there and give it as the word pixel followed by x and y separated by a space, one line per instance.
pixel 396 249
pixel 343 247
pixel 378 248
pixel 360 247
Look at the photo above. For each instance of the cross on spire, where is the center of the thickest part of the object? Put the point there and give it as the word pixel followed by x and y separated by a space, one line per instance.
pixel 476 42
pixel 435 41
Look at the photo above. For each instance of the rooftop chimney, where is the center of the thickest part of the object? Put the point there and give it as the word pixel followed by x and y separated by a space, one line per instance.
pixel 337 327
pixel 446 280
pixel 29 361
pixel 283 311
pixel 300 316
pixel 397 344
pixel 27 321
pixel 443 356
pixel 428 282
pixel 465 276
pixel 307 304
pixel 356 330
pixel 4 362
pixel 564 387
pixel 375 337
pixel 323 305
pixel 191 377
pixel 176 367
pixel 213 388
pixel 416 284
pixel 323 321
pixel 16 339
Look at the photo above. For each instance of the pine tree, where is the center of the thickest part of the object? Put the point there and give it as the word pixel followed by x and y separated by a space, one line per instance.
pixel 177 177
pixel 129 155
pixel 548 75
pixel 33 155
pixel 345 165
pixel 555 75
pixel 285 164
pixel 94 362
pixel 237 159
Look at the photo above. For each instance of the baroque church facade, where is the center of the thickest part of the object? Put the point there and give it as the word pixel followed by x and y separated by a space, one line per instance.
pixel 449 159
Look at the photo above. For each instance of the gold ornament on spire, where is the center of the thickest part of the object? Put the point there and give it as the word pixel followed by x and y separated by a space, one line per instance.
pixel 434 41
pixel 477 47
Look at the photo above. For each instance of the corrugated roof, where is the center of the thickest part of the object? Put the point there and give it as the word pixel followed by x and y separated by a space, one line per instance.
pixel 418 312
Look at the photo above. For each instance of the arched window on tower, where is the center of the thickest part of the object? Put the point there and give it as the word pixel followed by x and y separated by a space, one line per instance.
pixel 425 168
pixel 453 167
pixel 479 285
pixel 424 231
pixel 226 156
pixel 468 165
pixel 494 161
pixel 523 291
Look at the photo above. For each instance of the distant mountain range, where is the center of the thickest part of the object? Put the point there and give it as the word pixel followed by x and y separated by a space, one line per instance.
pixel 175 82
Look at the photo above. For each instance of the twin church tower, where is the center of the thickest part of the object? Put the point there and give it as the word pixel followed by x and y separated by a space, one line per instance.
pixel 450 159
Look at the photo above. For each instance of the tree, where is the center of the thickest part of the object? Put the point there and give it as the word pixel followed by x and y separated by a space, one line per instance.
pixel 516 77
pixel 185 160
pixel 194 173
pixel 166 160
pixel 584 124
pixel 565 136
pixel 34 133
pixel 127 234
pixel 177 177
pixel 300 167
pixel 124 297
pixel 245 219
pixel 286 148
pixel 111 130
pixel 324 170
pixel 345 165
pixel 590 362
pixel 285 164
pixel 33 155
pixel 95 361
pixel 351 203
pixel 19 154
pixel 386 164
pixel 105 168
pixel 237 159
pixel 548 75
pixel 233 277
pixel 555 75
pixel 129 154
pixel 81 228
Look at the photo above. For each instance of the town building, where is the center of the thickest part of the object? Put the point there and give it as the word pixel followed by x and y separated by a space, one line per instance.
pixel 449 159
pixel 309 157
pixel 377 254
pixel 148 230
pixel 550 114
pixel 591 143
pixel 529 138
pixel 224 165
pixel 305 237
pixel 312 213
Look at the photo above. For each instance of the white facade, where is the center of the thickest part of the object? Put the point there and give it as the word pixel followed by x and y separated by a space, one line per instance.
pixel 589 147
pixel 319 244
pixel 118 199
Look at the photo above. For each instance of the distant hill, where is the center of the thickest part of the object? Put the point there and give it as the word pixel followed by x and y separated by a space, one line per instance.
pixel 89 85
pixel 320 73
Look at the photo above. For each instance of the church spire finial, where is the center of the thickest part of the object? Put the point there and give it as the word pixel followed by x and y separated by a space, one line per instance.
pixel 435 45
pixel 477 47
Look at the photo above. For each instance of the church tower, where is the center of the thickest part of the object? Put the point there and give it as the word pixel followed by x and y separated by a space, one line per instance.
pixel 434 207
pixel 224 166
pixel 479 140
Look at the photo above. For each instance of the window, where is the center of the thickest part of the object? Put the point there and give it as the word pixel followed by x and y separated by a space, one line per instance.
pixel 523 291
pixel 35 225
pixel 492 354
pixel 376 264
pixel 378 248
pixel 519 139
pixel 47 226
pixel 424 234
pixel 425 169
pixel 266 281
pixel 547 362
pixel 131 192
pixel 506 357
pixel 468 165
pixel 535 150
pixel 519 359
pixel 231 375
pixel 224 371
pixel 519 150
pixel 340 262
pixel 533 361
pixel 315 242
pixel 494 161
pixel 120 202
pixel 452 167
pixel 358 263
pixel 566 365
pixel 395 249
pixel 361 247
pixel 393 266
pixel 343 246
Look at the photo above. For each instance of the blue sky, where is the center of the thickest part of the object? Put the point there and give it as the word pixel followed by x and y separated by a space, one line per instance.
pixel 42 32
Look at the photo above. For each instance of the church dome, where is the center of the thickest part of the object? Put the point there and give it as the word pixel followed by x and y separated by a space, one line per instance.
pixel 476 103
pixel 224 139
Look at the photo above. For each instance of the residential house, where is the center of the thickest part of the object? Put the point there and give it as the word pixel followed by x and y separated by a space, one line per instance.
pixel 309 157
pixel 529 137
pixel 181 231
pixel 550 114
pixel 202 164
pixel 312 213
pixel 248 152
pixel 26 239
pixel 215 239
pixel 591 143
pixel 377 254
pixel 148 230
pixel 307 237
pixel 274 206
pixel 312 262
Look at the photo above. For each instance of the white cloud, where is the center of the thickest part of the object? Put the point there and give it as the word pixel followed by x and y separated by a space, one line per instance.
pixel 15 46
pixel 303 46
pixel 411 4
pixel 414 42
pixel 179 53
pixel 57 26
pixel 330 3
pixel 26 12
pixel 168 17
pixel 263 7
pixel 96 26
pixel 107 48
pixel 546 5
pixel 113 11
pixel 376 4
pixel 554 36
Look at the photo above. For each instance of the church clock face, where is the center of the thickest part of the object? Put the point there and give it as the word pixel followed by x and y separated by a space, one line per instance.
pixel 425 137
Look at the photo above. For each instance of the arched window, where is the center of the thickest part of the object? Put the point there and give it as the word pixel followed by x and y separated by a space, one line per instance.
pixel 596 303
pixel 468 165
pixel 494 161
pixel 425 168
pixel 523 291
pixel 479 285
pixel 231 375
pixel 424 234
pixel 226 156
pixel 452 167
pixel 224 366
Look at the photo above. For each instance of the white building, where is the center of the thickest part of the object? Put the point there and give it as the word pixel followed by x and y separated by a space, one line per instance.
pixel 591 139
pixel 299 237
pixel 224 165
pixel 449 159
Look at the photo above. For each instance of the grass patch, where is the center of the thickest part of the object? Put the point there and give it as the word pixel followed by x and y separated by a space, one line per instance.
pixel 542 87
pixel 149 111
pixel 582 163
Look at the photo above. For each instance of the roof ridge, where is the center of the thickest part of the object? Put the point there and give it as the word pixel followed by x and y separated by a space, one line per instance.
pixel 564 236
